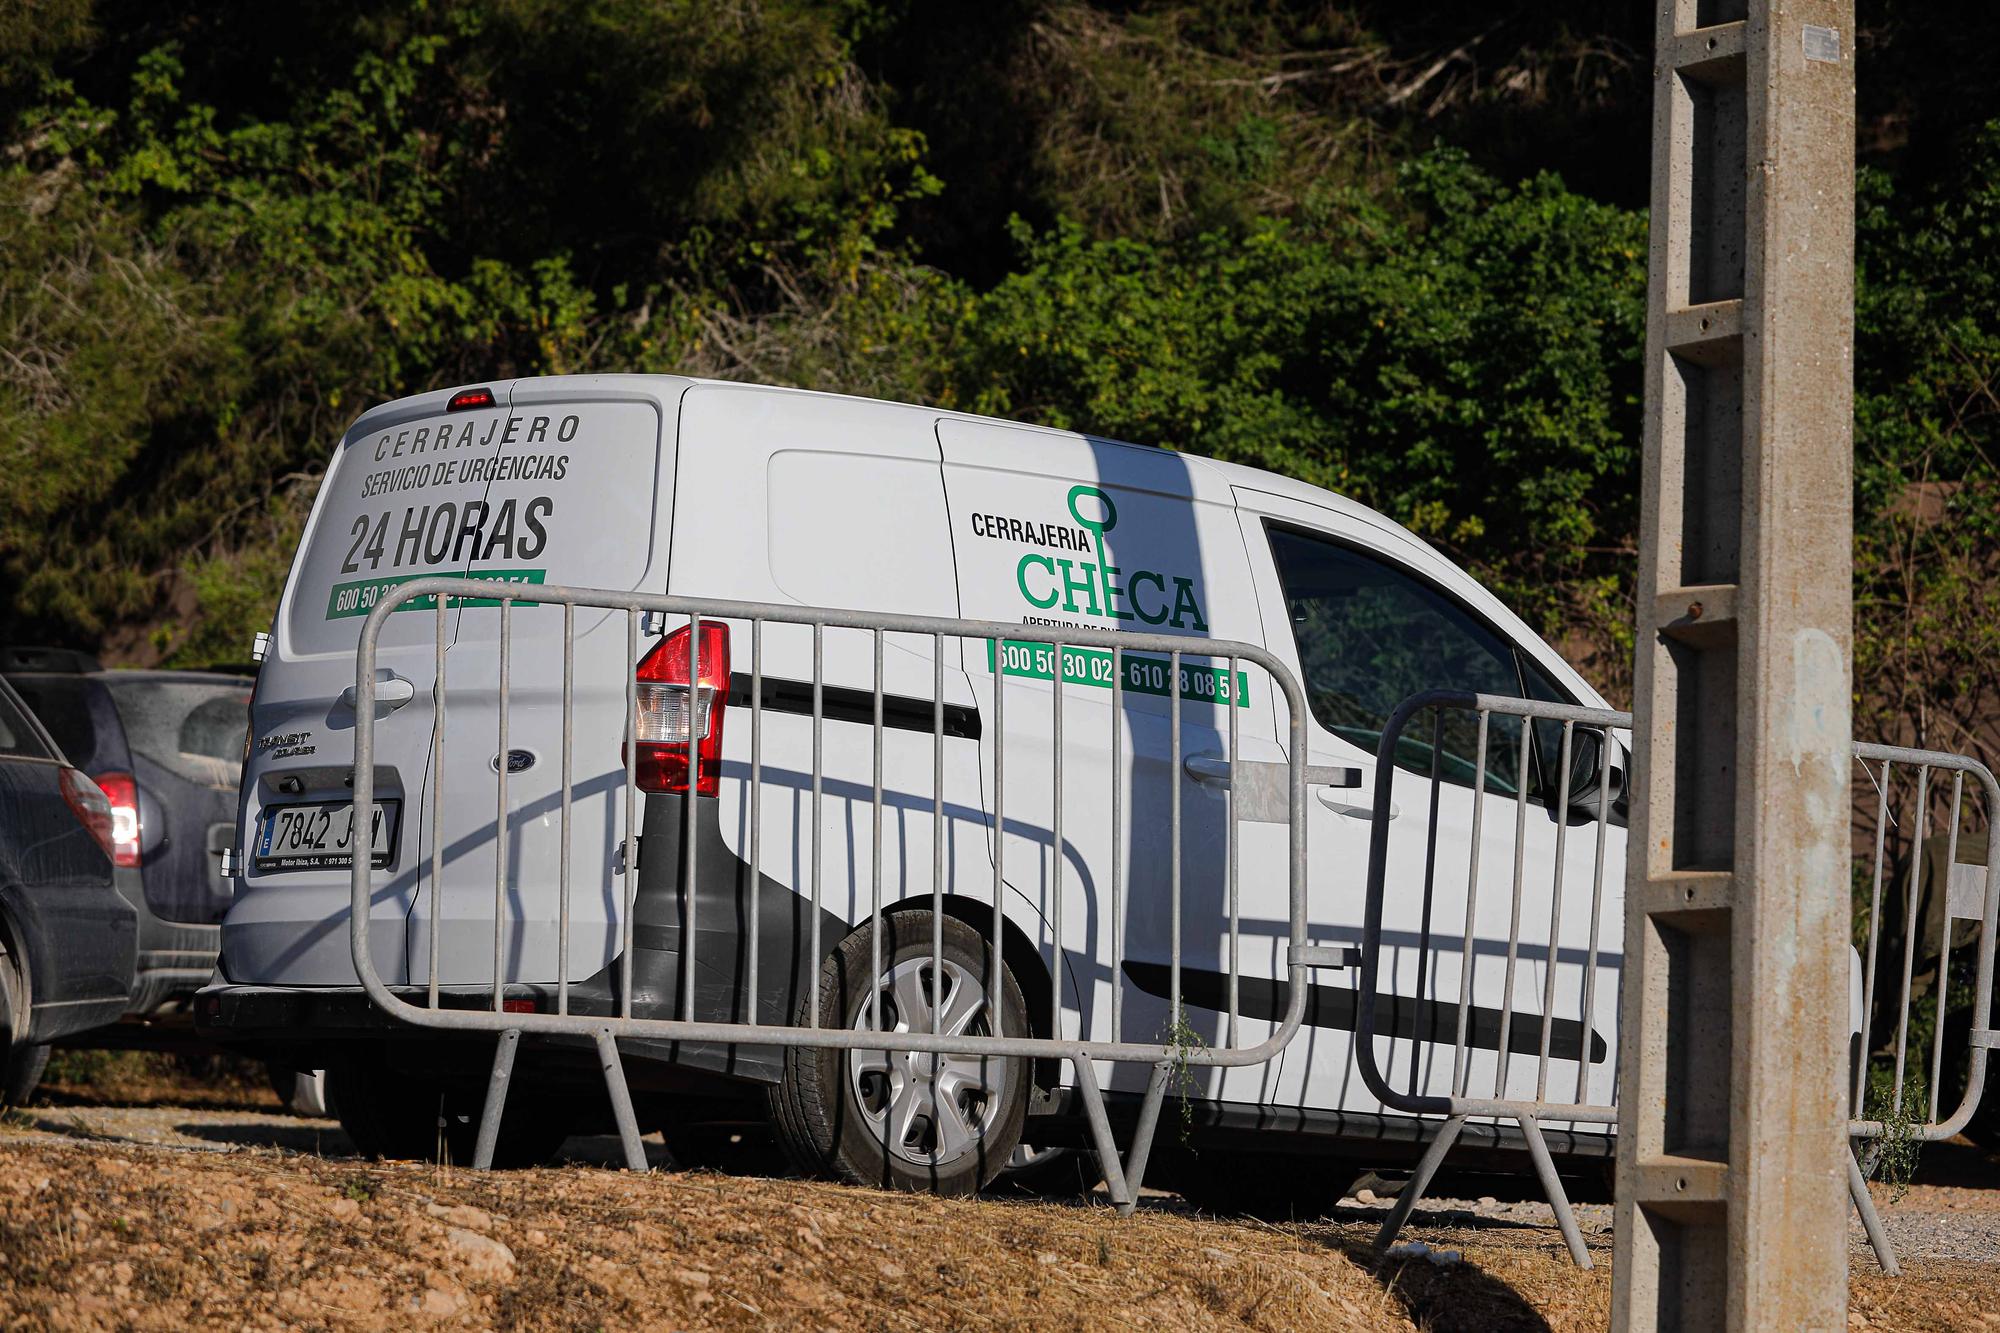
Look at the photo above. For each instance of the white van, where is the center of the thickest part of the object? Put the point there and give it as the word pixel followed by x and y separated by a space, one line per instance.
pixel 739 492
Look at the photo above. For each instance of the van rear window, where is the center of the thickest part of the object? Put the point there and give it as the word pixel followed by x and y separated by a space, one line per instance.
pixel 558 492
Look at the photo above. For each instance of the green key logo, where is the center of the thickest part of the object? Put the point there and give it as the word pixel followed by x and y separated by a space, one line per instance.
pixel 1100 589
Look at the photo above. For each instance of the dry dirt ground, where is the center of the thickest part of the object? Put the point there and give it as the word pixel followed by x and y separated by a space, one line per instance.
pixel 175 1217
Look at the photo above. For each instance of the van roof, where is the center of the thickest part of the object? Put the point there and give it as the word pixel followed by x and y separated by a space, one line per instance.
pixel 1220 476
pixel 1208 478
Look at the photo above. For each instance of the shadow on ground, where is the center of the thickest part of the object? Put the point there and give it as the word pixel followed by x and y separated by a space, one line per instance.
pixel 1445 1299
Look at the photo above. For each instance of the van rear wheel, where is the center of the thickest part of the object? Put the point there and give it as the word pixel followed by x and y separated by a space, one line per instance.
pixel 944 1124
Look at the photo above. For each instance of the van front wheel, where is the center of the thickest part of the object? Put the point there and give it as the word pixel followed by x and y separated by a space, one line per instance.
pixel 907 1120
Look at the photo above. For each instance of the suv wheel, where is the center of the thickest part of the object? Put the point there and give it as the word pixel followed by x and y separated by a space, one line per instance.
pixel 946 1124
pixel 20 1063
pixel 393 1115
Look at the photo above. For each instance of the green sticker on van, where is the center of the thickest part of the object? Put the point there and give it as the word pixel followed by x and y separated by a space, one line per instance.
pixel 1138 673
pixel 360 597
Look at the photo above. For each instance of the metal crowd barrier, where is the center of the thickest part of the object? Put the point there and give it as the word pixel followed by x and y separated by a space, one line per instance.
pixel 1260 791
pixel 1971 893
pixel 1462 1101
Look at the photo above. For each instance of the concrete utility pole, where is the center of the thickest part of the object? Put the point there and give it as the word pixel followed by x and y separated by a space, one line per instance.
pixel 1732 1201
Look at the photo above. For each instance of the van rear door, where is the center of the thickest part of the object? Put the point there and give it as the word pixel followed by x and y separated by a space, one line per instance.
pixel 399 502
pixel 579 492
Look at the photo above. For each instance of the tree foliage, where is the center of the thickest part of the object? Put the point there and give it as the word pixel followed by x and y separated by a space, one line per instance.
pixel 1392 250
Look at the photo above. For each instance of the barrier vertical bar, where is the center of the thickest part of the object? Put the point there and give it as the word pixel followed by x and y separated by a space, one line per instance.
pixel 1514 917
pixel 500 819
pixel 1561 812
pixel 1910 927
pixel 999 821
pixel 629 891
pixel 1461 1069
pixel 1874 936
pixel 437 802
pixel 875 860
pixel 562 856
pixel 1426 969
pixel 1596 916
pixel 1229 853
pixel 1174 839
pixel 691 826
pixel 1943 893
pixel 1118 843
pixel 1056 851
pixel 754 798
pixel 937 835
pixel 819 719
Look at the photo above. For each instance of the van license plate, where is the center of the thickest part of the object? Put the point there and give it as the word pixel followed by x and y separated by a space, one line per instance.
pixel 321 837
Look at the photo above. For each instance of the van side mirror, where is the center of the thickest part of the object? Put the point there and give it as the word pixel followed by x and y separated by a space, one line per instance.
pixel 1587 766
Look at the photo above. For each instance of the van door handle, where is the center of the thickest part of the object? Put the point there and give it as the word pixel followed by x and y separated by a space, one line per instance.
pixel 1213 770
pixel 1207 769
pixel 391 692
pixel 1330 798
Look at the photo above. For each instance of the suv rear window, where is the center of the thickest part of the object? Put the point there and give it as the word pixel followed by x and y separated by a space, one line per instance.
pixel 195 728
pixel 17 735
pixel 62 702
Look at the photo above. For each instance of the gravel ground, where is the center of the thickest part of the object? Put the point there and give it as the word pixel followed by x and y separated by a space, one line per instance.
pixel 1953 1212
pixel 1186 1270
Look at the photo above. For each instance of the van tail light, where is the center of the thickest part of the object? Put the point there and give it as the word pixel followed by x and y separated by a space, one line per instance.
pixel 665 708
pixel 122 790
pixel 91 807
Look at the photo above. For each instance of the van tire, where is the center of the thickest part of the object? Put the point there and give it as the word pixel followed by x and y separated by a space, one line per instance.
pixel 391 1115
pixel 823 1116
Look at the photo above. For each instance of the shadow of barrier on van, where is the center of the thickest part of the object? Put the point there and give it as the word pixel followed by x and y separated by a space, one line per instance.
pixel 672 726
pixel 1539 787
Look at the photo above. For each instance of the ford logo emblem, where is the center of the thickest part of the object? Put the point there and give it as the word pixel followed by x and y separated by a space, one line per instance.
pixel 518 761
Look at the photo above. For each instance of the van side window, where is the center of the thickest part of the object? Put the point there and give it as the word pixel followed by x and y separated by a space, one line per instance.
pixel 1369 636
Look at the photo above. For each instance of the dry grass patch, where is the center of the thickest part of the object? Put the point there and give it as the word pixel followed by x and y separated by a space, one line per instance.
pixel 98 1236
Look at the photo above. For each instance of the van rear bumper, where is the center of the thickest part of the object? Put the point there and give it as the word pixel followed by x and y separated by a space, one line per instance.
pixel 261 1014
pixel 243 1013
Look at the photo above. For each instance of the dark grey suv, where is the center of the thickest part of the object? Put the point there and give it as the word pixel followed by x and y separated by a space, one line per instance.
pixel 66 936
pixel 167 748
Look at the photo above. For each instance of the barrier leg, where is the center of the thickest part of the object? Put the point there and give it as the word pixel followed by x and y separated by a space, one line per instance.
pixel 1142 1136
pixel 621 1101
pixel 496 1100
pixel 1100 1134
pixel 1545 1167
pixel 1412 1193
pixel 1871 1221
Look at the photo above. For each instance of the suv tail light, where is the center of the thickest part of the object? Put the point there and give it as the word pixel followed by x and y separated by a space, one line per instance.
pixel 91 807
pixel 123 792
pixel 664 709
